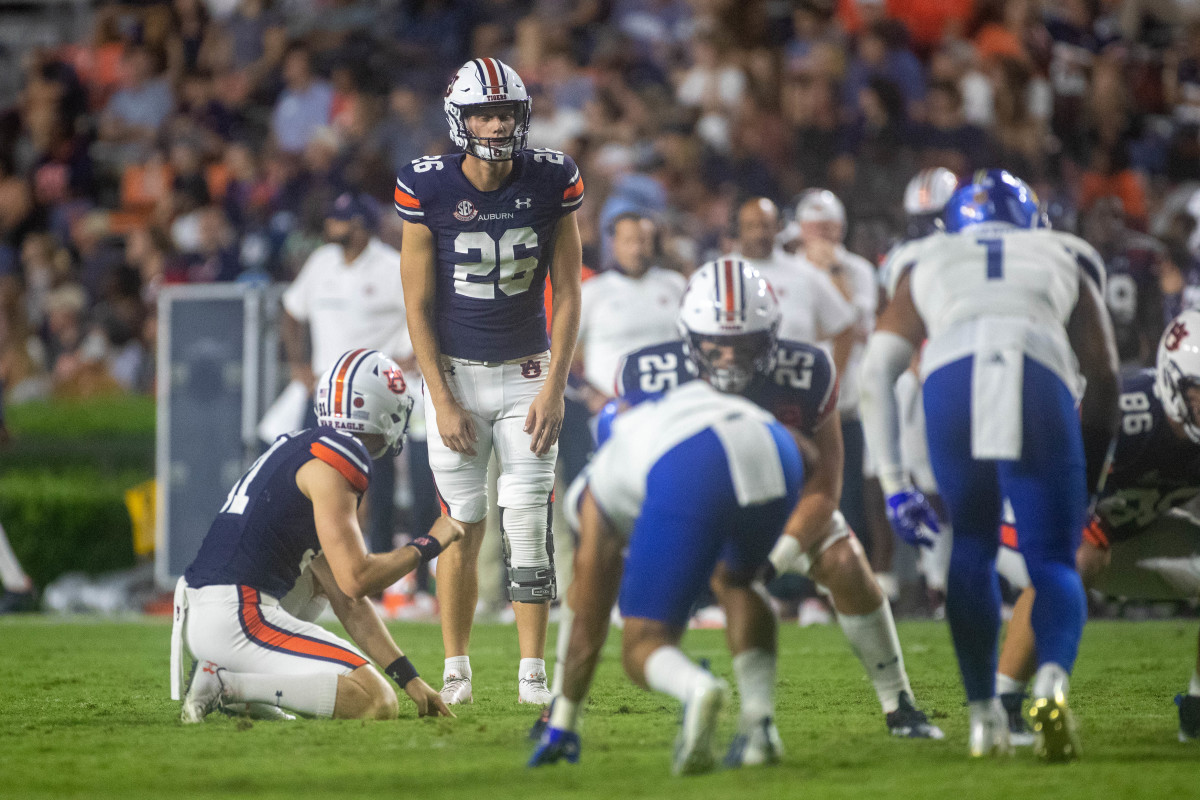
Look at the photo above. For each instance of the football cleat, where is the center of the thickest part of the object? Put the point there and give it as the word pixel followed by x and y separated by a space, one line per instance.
pixel 543 722
pixel 556 745
pixel 456 690
pixel 205 693
pixel 533 689
pixel 988 734
pixel 1018 732
pixel 758 743
pixel 909 721
pixel 1189 716
pixel 1055 739
pixel 694 744
pixel 18 602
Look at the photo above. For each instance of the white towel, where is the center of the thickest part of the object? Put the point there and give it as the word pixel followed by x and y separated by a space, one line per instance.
pixel 754 462
pixel 996 384
pixel 286 414
pixel 178 650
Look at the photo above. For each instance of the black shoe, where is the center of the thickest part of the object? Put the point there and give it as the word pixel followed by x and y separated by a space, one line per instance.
pixel 911 722
pixel 1018 732
pixel 543 722
pixel 1189 717
pixel 18 602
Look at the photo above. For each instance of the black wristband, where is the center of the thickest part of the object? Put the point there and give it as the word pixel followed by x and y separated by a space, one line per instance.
pixel 427 546
pixel 401 671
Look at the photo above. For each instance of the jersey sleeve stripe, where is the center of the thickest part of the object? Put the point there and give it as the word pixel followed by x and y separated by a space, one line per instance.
pixel 405 199
pixel 574 190
pixel 357 478
pixel 405 187
pixel 347 452
pixel 263 633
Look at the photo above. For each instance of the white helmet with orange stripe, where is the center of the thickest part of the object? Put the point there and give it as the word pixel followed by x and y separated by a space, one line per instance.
pixel 363 393
pixel 1177 373
pixel 487 84
pixel 729 318
pixel 924 198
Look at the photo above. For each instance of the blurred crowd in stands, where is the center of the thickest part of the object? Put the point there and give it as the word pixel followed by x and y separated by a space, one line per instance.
pixel 204 140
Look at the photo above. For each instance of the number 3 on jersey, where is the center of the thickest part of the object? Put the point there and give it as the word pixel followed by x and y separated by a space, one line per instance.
pixel 495 267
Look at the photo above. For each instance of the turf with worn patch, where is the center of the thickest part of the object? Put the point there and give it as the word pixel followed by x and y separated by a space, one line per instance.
pixel 84 712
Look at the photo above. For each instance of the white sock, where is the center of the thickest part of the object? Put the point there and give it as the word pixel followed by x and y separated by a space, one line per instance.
pixel 669 671
pixel 1050 678
pixel 755 674
pixel 532 668
pixel 564 714
pixel 1194 686
pixel 313 694
pixel 873 639
pixel 457 667
pixel 1007 685
pixel 12 577
pixel 566 618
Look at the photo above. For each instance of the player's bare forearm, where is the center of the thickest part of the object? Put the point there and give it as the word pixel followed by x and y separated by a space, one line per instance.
pixel 567 304
pixel 417 276
pixel 597 577
pixel 810 517
pixel 358 616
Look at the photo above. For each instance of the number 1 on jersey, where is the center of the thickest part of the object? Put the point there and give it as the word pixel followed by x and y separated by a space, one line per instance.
pixel 995 258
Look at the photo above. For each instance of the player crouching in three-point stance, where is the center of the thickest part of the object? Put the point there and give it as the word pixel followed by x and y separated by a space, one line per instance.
pixel 288 538
pixel 1014 313
pixel 796 382
pixel 697 480
pixel 482 229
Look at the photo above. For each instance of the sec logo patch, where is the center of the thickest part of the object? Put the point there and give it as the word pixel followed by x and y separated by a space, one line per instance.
pixel 465 211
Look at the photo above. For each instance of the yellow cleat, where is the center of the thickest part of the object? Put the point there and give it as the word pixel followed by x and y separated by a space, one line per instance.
pixel 1056 740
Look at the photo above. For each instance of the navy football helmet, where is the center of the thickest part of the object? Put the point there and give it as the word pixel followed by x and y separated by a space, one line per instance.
pixel 994 195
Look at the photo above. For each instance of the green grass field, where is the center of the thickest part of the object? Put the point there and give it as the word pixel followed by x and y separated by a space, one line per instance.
pixel 84 712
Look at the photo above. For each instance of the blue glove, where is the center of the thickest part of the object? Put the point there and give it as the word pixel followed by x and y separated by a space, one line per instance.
pixel 555 745
pixel 912 518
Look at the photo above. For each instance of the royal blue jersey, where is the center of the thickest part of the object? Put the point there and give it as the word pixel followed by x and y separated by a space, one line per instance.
pixel 492 249
pixel 800 390
pixel 1153 470
pixel 265 531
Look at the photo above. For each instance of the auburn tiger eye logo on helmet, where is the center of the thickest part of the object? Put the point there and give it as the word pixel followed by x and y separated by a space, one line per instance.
pixel 395 380
pixel 1175 335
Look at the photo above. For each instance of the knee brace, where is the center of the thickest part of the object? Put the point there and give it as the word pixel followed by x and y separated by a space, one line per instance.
pixel 529 554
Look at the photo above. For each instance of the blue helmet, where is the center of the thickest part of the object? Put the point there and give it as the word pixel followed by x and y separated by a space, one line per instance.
pixel 994 195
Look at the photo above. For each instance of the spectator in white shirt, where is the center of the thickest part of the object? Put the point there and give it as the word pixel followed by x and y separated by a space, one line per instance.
pixel 813 309
pixel 631 305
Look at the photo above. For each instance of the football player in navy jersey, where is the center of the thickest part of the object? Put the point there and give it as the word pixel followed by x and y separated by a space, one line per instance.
pixel 795 381
pixel 288 536
pixel 1139 542
pixel 483 229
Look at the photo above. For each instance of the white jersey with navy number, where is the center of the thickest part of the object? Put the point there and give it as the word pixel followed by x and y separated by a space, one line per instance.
pixel 617 473
pixel 493 249
pixel 999 295
pixel 1027 278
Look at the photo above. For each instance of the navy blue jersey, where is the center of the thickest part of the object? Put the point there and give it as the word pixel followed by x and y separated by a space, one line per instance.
pixel 265 531
pixel 801 389
pixel 493 249
pixel 1153 470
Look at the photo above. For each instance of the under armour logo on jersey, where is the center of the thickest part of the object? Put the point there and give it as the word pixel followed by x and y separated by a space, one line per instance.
pixel 524 202
pixel 1175 336
pixel 395 380
pixel 531 369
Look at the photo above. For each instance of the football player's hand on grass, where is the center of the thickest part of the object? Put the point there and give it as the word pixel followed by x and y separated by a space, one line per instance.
pixel 544 420
pixel 429 701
